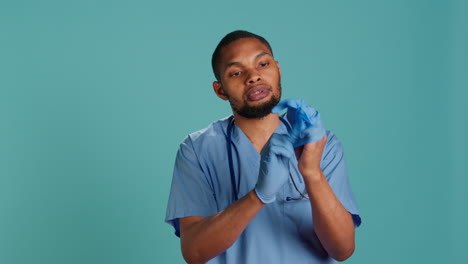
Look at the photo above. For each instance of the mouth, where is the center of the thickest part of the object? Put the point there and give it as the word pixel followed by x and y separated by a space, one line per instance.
pixel 258 92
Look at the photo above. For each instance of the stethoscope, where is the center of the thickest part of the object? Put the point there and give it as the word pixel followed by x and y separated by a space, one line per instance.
pixel 235 186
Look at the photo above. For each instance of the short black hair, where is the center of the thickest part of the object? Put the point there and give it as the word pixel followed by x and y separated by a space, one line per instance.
pixel 228 39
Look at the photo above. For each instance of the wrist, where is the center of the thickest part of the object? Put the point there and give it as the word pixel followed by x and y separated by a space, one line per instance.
pixel 313 176
pixel 262 198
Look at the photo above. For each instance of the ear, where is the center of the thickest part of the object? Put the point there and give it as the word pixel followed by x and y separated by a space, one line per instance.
pixel 219 91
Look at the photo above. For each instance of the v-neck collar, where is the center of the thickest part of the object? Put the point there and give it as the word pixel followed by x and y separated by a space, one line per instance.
pixel 241 140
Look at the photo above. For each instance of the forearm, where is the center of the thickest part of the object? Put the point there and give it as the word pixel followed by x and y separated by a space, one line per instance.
pixel 203 238
pixel 333 224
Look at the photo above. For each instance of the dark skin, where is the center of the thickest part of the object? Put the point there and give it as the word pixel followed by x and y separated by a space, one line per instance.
pixel 248 63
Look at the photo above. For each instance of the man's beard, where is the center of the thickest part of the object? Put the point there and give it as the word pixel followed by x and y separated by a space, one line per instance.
pixel 257 111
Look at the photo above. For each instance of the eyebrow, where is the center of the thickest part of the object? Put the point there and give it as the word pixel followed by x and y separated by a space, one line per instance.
pixel 261 54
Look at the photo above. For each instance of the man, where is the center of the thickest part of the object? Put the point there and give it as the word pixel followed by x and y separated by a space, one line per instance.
pixel 255 187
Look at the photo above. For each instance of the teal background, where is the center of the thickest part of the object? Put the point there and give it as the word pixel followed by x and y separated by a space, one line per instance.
pixel 95 97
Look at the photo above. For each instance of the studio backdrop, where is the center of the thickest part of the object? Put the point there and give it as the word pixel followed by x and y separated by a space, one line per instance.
pixel 96 96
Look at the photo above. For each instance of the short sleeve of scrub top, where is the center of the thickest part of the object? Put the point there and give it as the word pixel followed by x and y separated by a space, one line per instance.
pixel 334 168
pixel 190 190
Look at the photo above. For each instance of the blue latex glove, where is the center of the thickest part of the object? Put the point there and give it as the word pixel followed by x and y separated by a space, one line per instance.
pixel 305 121
pixel 276 159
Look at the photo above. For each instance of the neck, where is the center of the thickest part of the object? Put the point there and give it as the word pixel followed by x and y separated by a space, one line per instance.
pixel 258 130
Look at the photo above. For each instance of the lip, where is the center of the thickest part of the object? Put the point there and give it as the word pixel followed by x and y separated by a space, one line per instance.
pixel 258 92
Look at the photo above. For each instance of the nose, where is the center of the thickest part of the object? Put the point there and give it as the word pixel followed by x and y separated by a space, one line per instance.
pixel 253 77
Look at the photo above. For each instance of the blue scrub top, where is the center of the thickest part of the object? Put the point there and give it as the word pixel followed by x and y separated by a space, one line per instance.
pixel 282 232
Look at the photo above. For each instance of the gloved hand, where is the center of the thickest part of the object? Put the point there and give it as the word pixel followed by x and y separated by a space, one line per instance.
pixel 276 159
pixel 305 121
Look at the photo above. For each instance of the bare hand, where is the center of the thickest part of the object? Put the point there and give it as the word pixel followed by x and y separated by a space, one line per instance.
pixel 309 157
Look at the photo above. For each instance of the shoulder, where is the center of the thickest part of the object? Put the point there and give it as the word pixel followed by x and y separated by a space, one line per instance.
pixel 332 140
pixel 333 147
pixel 208 137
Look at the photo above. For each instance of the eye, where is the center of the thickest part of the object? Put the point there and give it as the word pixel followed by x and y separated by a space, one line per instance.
pixel 234 74
pixel 263 64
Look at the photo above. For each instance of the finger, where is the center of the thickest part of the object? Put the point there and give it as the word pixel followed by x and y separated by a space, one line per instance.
pixel 305 116
pixel 288 103
pixel 281 145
